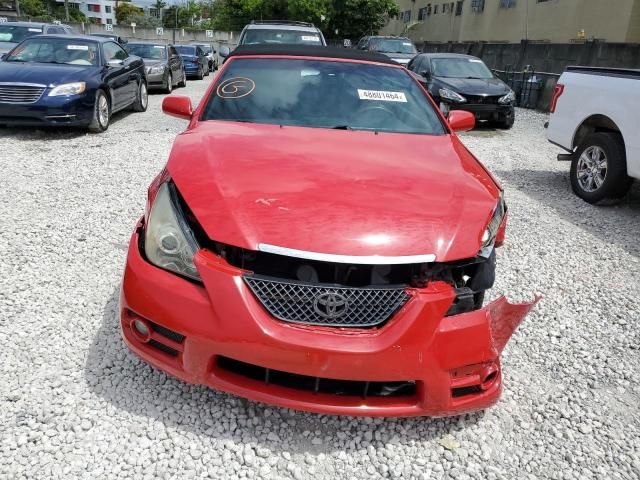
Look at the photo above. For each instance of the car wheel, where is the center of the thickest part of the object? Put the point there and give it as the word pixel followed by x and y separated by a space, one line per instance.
pixel 599 169
pixel 142 98
pixel 183 83
pixel 169 88
pixel 200 73
pixel 506 121
pixel 101 113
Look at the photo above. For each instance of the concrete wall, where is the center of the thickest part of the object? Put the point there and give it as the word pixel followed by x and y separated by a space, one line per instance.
pixel 169 34
pixel 555 21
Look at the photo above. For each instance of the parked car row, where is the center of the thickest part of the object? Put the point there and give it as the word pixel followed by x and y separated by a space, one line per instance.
pixel 51 76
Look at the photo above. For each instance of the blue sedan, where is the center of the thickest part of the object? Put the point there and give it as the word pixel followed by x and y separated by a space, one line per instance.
pixel 82 81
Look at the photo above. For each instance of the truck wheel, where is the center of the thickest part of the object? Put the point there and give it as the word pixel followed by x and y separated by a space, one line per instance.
pixel 599 169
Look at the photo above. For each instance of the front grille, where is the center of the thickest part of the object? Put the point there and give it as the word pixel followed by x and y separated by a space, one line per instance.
pixel 327 305
pixel 482 100
pixel 353 388
pixel 20 93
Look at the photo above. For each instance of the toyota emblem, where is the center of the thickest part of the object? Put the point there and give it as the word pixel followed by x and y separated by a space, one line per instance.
pixel 330 305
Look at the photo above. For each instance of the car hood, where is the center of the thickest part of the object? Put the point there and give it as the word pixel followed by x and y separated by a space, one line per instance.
pixel 475 86
pixel 149 62
pixel 44 73
pixel 402 58
pixel 334 191
pixel 6 46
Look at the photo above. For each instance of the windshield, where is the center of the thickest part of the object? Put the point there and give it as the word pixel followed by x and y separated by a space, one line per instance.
pixel 206 49
pixel 55 50
pixel 392 45
pixel 257 35
pixel 460 68
pixel 154 52
pixel 184 50
pixel 324 94
pixel 15 34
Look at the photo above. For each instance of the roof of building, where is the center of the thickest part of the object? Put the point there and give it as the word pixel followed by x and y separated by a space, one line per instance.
pixel 310 51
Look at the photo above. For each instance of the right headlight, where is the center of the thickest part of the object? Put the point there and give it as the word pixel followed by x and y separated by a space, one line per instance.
pixel 508 99
pixel 451 95
pixel 155 69
pixel 169 242
pixel 491 232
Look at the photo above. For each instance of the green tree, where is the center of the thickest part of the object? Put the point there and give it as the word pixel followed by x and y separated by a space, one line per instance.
pixel 125 10
pixel 352 18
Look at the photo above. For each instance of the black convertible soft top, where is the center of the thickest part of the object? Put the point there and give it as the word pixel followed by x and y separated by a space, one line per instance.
pixel 310 51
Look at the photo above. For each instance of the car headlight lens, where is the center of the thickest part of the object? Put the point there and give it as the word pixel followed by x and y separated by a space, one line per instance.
pixel 451 95
pixel 489 235
pixel 156 69
pixel 169 242
pixel 75 88
pixel 508 98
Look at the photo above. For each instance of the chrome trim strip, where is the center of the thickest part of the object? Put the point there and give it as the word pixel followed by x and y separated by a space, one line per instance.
pixel 355 259
pixel 22 84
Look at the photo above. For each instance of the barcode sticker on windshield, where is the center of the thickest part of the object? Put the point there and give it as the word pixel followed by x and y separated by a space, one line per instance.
pixel 472 60
pixel 158 46
pixel 307 38
pixel 35 30
pixel 382 96
pixel 406 44
pixel 77 47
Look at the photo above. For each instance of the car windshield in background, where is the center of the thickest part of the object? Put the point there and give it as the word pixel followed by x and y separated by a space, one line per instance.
pixel 207 50
pixel 55 50
pixel 184 50
pixel 154 52
pixel 16 34
pixel 323 94
pixel 392 45
pixel 256 35
pixel 460 68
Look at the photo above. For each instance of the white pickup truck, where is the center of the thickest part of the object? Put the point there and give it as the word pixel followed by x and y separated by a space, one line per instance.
pixel 595 116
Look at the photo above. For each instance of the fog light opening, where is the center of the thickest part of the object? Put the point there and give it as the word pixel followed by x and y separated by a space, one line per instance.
pixel 141 330
pixel 489 377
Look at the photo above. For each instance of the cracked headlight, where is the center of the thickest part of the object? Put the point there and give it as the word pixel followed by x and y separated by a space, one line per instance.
pixel 451 95
pixel 68 89
pixel 508 99
pixel 169 242
pixel 494 232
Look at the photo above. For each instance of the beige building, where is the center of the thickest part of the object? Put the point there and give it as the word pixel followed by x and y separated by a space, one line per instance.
pixel 556 21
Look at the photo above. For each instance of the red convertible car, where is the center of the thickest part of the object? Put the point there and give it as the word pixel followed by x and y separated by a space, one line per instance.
pixel 320 239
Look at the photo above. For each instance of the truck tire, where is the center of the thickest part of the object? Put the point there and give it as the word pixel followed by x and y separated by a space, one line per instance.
pixel 599 169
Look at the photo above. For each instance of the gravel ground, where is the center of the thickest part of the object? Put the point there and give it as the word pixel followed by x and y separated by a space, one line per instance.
pixel 74 403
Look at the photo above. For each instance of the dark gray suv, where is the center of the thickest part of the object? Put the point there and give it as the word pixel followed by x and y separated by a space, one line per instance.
pixel 163 65
pixel 399 49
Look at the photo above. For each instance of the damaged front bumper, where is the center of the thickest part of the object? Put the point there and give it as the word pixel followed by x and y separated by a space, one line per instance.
pixel 421 362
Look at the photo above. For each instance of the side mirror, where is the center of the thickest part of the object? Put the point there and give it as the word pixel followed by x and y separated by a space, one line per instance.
pixel 426 74
pixel 224 52
pixel 3 56
pixel 461 121
pixel 178 106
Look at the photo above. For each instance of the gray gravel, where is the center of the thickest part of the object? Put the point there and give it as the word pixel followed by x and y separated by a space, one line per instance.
pixel 74 403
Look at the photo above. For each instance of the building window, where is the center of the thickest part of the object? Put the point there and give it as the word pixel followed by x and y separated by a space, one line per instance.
pixel 435 9
pixel 107 9
pixel 477 6
pixel 459 8
pixel 93 7
pixel 422 14
pixel 507 3
pixel 109 21
pixel 407 16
